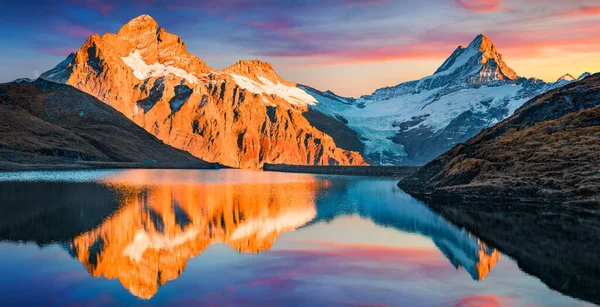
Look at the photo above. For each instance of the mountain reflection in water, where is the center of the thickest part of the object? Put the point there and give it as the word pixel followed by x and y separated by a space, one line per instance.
pixel 142 227
pixel 170 220
pixel 165 219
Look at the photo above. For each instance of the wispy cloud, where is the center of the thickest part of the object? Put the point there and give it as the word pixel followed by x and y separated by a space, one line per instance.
pixel 490 300
pixel 479 5
pixel 361 2
pixel 99 6
pixel 583 11
pixel 55 51
pixel 312 34
pixel 73 30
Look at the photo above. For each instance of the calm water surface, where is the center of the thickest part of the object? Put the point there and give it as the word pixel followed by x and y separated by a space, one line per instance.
pixel 230 237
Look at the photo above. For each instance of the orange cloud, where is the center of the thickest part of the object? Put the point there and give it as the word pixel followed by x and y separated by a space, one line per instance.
pixel 361 2
pixel 479 5
pixel 484 301
pixel 430 50
pixel 584 11
pixel 375 252
pixel 579 37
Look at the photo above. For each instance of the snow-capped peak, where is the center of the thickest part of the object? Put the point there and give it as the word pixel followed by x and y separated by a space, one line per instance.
pixel 479 62
pixel 141 22
pixel 260 78
pixel 461 55
pixel 24 80
pixel 254 69
pixel 583 75
pixel 566 77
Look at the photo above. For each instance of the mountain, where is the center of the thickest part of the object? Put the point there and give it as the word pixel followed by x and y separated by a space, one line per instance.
pixel 413 122
pixel 583 75
pixel 546 152
pixel 49 123
pixel 564 79
pixel 242 116
pixel 246 115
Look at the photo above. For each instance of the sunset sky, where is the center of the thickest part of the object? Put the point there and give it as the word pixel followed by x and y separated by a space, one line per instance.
pixel 349 46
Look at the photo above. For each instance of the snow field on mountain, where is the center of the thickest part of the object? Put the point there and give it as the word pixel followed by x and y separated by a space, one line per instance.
pixel 375 122
pixel 291 94
pixel 143 71
pixel 465 54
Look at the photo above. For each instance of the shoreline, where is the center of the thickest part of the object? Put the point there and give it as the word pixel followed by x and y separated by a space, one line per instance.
pixel 21 167
pixel 368 171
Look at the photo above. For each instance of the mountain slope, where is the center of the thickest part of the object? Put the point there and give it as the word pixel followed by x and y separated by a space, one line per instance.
pixel 243 116
pixel 45 122
pixel 548 151
pixel 413 122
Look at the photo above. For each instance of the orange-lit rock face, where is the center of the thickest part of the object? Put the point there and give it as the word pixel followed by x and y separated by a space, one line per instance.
pixel 487 260
pixel 163 224
pixel 243 116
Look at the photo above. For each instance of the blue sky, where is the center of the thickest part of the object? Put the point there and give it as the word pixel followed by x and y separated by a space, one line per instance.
pixel 349 46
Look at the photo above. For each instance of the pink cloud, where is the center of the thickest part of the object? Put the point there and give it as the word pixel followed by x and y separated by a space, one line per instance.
pixel 74 31
pixel 56 51
pixel 100 6
pixel 430 50
pixel 361 2
pixel 578 37
pixel 479 5
pixel 373 252
pixel 584 11
pixel 490 300
pixel 273 25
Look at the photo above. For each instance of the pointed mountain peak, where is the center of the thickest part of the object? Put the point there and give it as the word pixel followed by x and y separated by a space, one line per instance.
pixel 142 23
pixel 254 69
pixel 479 62
pixel 143 19
pixel 483 39
pixel 583 75
pixel 252 65
pixel 566 77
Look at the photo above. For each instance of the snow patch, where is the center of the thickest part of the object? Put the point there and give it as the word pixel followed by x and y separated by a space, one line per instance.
pixel 264 226
pixel 144 241
pixel 583 75
pixel 465 55
pixel 376 121
pixel 143 71
pixel 566 77
pixel 267 102
pixel 291 94
pixel 24 80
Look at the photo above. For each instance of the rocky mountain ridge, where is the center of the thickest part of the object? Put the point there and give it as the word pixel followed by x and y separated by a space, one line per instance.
pixel 546 152
pixel 246 115
pixel 46 123
pixel 242 116
pixel 413 122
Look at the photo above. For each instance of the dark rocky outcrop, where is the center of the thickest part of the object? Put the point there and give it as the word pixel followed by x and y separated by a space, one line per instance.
pixel 350 170
pixel 45 123
pixel 344 136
